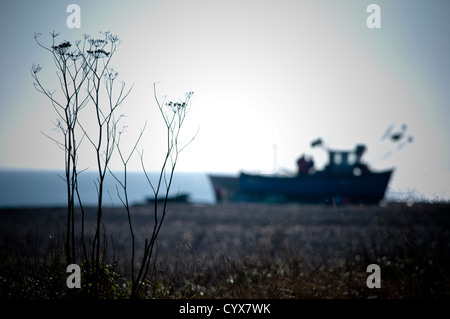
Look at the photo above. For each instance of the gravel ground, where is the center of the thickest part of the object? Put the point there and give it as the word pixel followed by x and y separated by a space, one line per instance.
pixel 242 231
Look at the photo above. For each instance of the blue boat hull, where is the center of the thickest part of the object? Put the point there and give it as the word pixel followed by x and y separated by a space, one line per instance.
pixel 317 188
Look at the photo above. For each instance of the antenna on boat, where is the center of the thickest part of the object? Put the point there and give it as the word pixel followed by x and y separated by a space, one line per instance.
pixel 275 164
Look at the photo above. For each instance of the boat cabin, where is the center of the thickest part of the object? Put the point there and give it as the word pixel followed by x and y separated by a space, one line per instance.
pixel 346 162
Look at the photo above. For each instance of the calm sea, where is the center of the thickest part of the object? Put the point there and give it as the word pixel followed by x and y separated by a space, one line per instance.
pixel 33 188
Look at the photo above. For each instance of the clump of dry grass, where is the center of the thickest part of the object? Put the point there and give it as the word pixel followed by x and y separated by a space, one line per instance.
pixel 402 277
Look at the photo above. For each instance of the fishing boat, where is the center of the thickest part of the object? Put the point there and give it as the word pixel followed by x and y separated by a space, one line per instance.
pixel 179 198
pixel 344 179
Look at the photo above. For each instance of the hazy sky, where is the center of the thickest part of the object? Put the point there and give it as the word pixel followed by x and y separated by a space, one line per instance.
pixel 264 73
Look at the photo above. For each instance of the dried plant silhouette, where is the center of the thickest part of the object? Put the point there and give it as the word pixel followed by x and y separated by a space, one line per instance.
pixel 174 115
pixel 89 87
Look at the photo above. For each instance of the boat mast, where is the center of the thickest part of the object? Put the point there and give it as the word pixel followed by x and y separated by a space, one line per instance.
pixel 275 164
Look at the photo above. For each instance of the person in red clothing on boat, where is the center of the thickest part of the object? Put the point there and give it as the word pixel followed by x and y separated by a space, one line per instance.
pixel 305 165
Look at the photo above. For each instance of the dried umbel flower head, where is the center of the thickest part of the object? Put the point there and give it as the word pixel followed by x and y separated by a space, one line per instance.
pixel 36 68
pixel 63 48
pixel 189 94
pixel 98 42
pixel 111 74
pixel 176 106
pixel 113 38
pixel 99 53
pixel 75 55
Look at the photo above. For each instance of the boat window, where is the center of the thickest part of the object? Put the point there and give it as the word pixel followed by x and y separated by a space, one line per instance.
pixel 351 158
pixel 337 158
